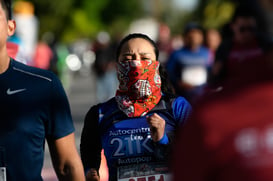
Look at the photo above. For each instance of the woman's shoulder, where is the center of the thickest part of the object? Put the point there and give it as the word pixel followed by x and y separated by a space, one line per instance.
pixel 177 103
pixel 175 100
pixel 180 100
pixel 107 104
pixel 102 107
pixel 182 109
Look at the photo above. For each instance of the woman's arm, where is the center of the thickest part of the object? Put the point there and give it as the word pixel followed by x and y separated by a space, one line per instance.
pixel 90 146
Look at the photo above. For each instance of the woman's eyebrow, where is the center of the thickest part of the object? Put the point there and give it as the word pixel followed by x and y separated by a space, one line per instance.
pixel 129 54
pixel 145 53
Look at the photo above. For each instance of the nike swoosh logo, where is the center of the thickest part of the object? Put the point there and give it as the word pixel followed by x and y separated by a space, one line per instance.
pixel 11 92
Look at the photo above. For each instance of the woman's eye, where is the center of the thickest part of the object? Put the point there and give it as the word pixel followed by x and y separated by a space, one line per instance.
pixel 127 59
pixel 145 58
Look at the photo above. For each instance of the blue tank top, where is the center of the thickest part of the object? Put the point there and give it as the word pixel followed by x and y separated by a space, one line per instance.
pixel 127 142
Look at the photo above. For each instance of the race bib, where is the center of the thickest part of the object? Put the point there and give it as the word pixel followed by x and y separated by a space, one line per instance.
pixel 144 172
pixel 3 174
pixel 196 75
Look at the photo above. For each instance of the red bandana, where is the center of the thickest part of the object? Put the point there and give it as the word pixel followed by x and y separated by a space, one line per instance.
pixel 139 86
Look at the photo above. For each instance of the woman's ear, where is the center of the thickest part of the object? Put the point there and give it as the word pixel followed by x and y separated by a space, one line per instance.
pixel 11 27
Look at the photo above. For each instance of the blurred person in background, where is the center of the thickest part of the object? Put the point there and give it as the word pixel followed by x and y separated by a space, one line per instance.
pixel 26 30
pixel 267 10
pixel 177 41
pixel 237 57
pixel 33 109
pixel 164 43
pixel 229 136
pixel 44 55
pixel 104 67
pixel 13 46
pixel 188 67
pixel 212 40
pixel 136 127
pixel 231 130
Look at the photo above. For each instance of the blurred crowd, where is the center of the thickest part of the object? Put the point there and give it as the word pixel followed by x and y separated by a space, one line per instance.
pixel 229 136
pixel 195 59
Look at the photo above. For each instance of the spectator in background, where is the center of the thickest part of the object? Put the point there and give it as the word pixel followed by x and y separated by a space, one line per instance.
pixel 43 54
pixel 237 57
pixel 231 130
pixel 164 43
pixel 177 41
pixel 104 67
pixel 189 66
pixel 229 136
pixel 12 49
pixel 212 40
pixel 26 30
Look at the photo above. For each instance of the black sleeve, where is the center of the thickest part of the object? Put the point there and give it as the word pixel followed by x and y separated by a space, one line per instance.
pixel 90 146
pixel 265 42
pixel 221 57
pixel 162 152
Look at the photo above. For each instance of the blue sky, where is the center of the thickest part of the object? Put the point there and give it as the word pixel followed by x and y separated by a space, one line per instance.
pixel 185 4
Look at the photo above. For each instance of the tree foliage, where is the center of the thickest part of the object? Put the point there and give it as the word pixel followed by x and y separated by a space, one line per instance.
pixel 71 19
pixel 214 13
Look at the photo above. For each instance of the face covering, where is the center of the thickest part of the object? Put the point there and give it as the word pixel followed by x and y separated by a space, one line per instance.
pixel 139 86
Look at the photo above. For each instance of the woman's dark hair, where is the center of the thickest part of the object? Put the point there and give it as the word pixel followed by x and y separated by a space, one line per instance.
pixel 6 5
pixel 166 86
pixel 133 36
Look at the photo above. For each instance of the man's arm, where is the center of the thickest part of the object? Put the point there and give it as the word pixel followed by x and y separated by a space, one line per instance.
pixel 65 159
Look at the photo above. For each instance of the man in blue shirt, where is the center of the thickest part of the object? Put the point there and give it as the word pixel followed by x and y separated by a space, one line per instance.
pixel 33 108
pixel 188 67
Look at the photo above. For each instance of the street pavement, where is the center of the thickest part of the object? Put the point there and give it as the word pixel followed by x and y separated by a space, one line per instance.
pixel 81 96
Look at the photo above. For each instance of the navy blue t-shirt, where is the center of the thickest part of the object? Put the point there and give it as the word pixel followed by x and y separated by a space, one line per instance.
pixel 33 107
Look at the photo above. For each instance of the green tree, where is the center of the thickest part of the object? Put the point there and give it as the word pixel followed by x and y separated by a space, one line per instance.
pixel 71 19
pixel 214 13
pixel 52 15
